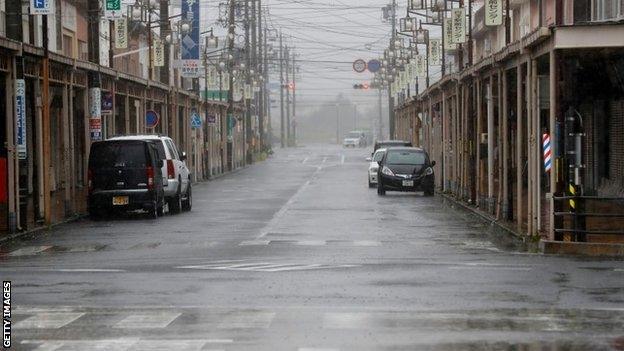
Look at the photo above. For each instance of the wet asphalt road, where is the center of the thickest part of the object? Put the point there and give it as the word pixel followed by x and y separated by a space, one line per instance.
pixel 296 253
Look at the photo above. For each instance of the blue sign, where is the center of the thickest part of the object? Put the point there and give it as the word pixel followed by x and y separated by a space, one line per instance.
pixel 374 66
pixel 189 43
pixel 151 119
pixel 20 118
pixel 196 121
pixel 40 7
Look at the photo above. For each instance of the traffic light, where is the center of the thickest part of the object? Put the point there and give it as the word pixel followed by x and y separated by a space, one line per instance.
pixel 364 86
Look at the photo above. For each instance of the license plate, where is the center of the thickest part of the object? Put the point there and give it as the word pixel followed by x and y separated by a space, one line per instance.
pixel 120 200
pixel 408 183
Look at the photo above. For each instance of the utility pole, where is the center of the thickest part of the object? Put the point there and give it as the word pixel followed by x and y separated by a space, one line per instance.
pixel 390 92
pixel 230 109
pixel 287 58
pixel 260 66
pixel 281 65
pixel 165 28
pixel 248 100
pixel 267 93
pixel 338 123
pixel 380 135
pixel 293 142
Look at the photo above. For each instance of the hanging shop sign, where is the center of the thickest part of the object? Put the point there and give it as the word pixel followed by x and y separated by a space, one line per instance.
pixel 189 43
pixel 107 103
pixel 458 18
pixel 40 7
pixel 435 54
pixel 421 66
pixel 95 114
pixel 20 118
pixel 121 33
pixel 493 12
pixel 158 53
pixel 247 91
pixel 448 35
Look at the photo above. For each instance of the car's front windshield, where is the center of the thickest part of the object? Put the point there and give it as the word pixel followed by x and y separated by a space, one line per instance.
pixel 378 155
pixel 405 157
pixel 353 135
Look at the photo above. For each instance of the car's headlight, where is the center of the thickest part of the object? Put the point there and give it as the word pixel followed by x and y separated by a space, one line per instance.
pixel 385 170
pixel 428 171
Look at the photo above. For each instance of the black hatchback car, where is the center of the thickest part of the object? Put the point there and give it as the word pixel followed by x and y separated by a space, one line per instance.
pixel 406 169
pixel 125 175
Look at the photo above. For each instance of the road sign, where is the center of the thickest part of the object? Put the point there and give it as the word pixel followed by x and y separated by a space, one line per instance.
pixel 151 119
pixel 359 65
pixel 195 121
pixel 374 66
pixel 112 9
pixel 40 7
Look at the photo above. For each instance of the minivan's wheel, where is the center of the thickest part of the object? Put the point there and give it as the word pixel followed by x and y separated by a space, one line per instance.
pixel 187 204
pixel 175 203
pixel 380 189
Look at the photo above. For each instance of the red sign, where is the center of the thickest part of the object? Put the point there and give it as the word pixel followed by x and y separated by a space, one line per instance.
pixel 359 65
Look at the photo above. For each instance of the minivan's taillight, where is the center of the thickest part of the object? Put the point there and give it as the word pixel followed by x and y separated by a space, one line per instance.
pixel 90 179
pixel 170 170
pixel 150 177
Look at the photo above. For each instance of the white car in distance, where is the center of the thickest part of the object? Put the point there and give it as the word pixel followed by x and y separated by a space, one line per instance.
pixel 353 139
pixel 373 167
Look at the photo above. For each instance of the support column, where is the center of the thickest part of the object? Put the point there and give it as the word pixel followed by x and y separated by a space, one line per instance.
pixel 505 140
pixel 519 146
pixel 529 120
pixel 490 140
pixel 479 174
pixel 553 92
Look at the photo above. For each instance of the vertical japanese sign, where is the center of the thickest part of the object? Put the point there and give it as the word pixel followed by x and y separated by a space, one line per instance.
pixel 435 55
pixel 421 66
pixel 121 33
pixel 112 9
pixel 458 23
pixel 95 113
pixel 158 53
pixel 493 12
pixel 20 118
pixel 448 35
pixel 247 91
pixel 40 7
pixel 189 43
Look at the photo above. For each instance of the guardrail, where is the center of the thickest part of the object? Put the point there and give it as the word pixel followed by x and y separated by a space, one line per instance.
pixel 576 205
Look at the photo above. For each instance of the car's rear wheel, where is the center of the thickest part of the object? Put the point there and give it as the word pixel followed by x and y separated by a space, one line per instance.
pixel 175 203
pixel 380 189
pixel 187 204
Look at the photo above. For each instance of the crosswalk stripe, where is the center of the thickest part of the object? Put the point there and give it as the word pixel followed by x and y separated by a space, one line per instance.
pixel 125 344
pixel 147 321
pixel 247 320
pixel 48 320
pixel 265 267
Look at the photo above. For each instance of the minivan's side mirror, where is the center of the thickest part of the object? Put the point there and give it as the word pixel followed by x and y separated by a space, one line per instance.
pixel 433 163
pixel 183 157
pixel 161 163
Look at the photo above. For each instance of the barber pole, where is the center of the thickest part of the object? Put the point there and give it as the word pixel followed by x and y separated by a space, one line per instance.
pixel 547 152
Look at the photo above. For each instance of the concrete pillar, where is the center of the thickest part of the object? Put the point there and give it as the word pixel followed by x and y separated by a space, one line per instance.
pixel 490 141
pixel 553 141
pixel 505 140
pixel 519 146
pixel 478 141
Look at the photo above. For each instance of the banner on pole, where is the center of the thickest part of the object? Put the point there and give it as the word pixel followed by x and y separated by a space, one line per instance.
pixel 421 66
pixel 189 43
pixel 20 118
pixel 121 33
pixel 458 17
pixel 158 53
pixel 448 35
pixel 493 12
pixel 435 55
pixel 95 113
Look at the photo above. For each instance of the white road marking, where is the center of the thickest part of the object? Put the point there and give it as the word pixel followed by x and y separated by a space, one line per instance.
pixel 48 320
pixel 316 349
pixel 247 320
pixel 619 270
pixel 254 243
pixel 82 345
pixel 265 267
pixel 169 344
pixel 366 243
pixel 492 268
pixel 87 270
pixel 29 250
pixel 282 211
pixel 147 321
pixel 340 320
pixel 311 243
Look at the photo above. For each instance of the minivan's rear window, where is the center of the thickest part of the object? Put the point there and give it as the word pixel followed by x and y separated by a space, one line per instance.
pixel 127 154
